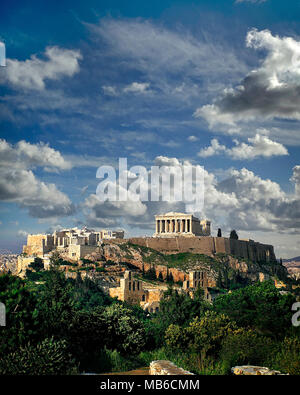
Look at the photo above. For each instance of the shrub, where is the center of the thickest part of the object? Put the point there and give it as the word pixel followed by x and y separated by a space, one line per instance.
pixel 22 318
pixel 203 336
pixel 46 358
pixel 113 361
pixel 124 331
pixel 246 347
pixel 206 334
pixel 259 306
pixel 287 358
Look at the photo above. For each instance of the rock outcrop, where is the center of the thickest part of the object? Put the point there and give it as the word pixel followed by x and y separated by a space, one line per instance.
pixel 248 370
pixel 166 368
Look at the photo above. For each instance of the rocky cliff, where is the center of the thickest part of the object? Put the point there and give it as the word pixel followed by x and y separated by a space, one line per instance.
pixel 223 270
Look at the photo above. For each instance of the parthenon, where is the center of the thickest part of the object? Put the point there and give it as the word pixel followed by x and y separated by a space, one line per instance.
pixel 180 224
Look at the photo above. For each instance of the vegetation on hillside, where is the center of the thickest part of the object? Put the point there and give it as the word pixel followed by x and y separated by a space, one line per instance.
pixel 57 325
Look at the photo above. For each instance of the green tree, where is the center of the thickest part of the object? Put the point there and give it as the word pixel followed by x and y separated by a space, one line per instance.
pixel 206 333
pixel 56 304
pixel 233 235
pixel 37 265
pixel 55 258
pixel 246 347
pixel 22 318
pixel 260 306
pixel 124 332
pixel 85 336
pixel 180 308
pixel 287 358
pixel 48 357
pixel 87 295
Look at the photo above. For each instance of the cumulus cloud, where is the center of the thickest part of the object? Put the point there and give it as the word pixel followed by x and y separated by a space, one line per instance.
pixel 34 72
pixel 24 154
pixel 261 204
pixel 272 90
pixel 259 146
pixel 242 200
pixel 18 183
pixel 110 213
pixel 214 149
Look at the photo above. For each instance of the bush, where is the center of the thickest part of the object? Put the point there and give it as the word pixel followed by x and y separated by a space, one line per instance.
pixel 287 358
pixel 203 336
pixel 113 361
pixel 46 358
pixel 85 337
pixel 259 306
pixel 22 318
pixel 124 331
pixel 246 347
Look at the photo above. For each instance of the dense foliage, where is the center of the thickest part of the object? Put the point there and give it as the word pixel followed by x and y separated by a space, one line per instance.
pixel 63 326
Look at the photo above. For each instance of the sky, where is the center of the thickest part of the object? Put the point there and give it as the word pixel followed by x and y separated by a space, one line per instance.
pixel 206 83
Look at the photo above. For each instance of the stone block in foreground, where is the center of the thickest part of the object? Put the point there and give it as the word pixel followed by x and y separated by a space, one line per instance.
pixel 166 368
pixel 249 370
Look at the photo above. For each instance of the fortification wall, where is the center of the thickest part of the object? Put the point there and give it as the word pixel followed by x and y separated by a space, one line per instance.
pixel 208 245
pixel 38 244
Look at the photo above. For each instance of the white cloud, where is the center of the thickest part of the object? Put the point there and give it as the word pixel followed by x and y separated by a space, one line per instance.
pixel 296 179
pixel 108 213
pixel 260 146
pixel 22 233
pixel 2 54
pixel 165 57
pixel 24 154
pixel 110 90
pixel 137 87
pixel 214 149
pixel 18 183
pixel 192 139
pixel 271 90
pixel 242 201
pixel 34 72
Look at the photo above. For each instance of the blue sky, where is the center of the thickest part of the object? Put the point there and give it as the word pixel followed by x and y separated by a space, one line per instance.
pixel 214 83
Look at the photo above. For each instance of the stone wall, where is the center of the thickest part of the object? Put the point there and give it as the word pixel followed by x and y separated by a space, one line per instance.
pixel 207 245
pixel 38 244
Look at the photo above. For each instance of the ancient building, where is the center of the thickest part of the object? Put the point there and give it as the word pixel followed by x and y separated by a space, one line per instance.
pixel 197 279
pixel 132 291
pixel 180 224
pixel 38 245
pixel 74 242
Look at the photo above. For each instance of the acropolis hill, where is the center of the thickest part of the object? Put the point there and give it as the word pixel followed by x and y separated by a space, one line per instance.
pixel 175 232
pixel 181 250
